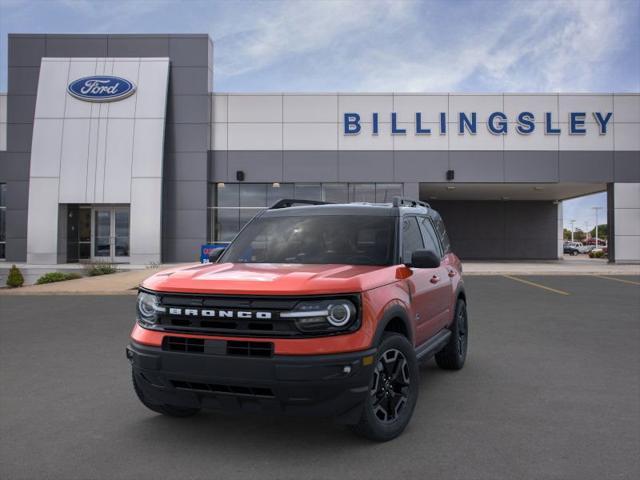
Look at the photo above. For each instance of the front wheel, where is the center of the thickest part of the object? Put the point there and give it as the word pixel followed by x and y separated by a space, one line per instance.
pixel 454 354
pixel 393 391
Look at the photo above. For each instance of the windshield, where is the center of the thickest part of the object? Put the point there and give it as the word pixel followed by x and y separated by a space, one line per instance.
pixel 344 239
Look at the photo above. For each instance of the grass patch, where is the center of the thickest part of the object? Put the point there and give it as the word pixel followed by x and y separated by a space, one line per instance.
pixel 96 269
pixel 53 277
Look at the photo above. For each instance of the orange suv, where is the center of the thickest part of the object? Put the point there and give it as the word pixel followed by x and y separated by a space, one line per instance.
pixel 313 309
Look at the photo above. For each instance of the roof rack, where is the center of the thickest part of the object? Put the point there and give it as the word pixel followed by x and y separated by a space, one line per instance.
pixel 290 202
pixel 408 202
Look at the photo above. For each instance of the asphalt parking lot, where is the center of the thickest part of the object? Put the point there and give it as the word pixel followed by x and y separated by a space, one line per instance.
pixel 551 390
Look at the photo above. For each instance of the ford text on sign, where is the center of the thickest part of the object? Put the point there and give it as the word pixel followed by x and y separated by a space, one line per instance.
pixel 101 88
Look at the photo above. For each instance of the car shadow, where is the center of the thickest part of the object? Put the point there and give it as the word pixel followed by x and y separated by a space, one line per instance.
pixel 232 431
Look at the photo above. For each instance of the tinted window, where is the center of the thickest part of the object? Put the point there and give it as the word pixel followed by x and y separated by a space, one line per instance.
pixel 430 238
pixel 411 238
pixel 442 233
pixel 361 240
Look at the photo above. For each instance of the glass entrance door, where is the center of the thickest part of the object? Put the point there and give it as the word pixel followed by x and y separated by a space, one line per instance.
pixel 111 234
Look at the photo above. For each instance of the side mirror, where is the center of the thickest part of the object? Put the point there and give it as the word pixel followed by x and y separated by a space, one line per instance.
pixel 424 259
pixel 215 254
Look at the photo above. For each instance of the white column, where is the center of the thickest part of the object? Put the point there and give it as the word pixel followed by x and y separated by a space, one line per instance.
pixel 560 236
pixel 626 212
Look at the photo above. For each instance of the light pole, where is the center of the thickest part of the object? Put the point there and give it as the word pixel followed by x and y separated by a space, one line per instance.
pixel 596 210
pixel 572 222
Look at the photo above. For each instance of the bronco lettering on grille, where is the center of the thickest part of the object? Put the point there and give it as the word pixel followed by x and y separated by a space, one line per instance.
pixel 242 314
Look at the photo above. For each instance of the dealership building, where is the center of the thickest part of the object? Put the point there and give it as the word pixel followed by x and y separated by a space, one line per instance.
pixel 118 148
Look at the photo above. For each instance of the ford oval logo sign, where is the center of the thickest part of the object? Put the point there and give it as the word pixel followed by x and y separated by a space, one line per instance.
pixel 101 88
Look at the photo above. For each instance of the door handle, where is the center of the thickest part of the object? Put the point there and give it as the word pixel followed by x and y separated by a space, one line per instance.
pixel 435 279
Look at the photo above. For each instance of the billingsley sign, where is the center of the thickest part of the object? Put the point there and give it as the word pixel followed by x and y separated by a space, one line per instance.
pixel 497 123
pixel 101 88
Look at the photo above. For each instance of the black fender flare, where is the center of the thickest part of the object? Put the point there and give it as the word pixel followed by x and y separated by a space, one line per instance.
pixel 391 312
pixel 459 293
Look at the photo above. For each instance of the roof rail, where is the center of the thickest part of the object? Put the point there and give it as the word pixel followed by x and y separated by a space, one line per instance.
pixel 401 201
pixel 290 202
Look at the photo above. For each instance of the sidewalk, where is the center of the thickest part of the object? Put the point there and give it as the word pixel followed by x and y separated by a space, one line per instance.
pixel 113 284
pixel 569 266
pixel 127 282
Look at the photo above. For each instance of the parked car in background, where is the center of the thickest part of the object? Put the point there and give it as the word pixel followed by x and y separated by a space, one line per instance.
pixel 586 248
pixel 570 248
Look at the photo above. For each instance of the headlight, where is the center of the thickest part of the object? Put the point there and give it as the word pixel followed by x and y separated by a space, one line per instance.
pixel 148 307
pixel 329 315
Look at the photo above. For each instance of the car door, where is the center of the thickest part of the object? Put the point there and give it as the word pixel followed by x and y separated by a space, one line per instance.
pixel 443 289
pixel 421 286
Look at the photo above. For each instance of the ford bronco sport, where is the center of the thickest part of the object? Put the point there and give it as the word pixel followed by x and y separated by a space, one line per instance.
pixel 321 309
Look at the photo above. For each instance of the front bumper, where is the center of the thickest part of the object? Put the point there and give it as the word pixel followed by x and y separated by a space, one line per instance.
pixel 319 385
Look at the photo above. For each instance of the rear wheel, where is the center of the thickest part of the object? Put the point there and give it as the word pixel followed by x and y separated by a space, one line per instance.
pixel 169 410
pixel 393 390
pixel 454 354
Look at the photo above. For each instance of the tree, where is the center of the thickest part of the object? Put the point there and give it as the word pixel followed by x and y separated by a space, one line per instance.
pixel 603 231
pixel 578 235
pixel 566 234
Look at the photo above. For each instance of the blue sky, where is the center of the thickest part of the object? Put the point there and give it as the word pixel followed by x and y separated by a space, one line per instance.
pixel 370 45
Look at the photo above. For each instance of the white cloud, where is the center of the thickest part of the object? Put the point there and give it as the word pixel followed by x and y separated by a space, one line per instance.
pixel 292 29
pixel 382 46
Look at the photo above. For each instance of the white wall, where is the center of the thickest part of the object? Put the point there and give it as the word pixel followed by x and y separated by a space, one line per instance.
pixel 98 153
pixel 298 121
pixel 626 211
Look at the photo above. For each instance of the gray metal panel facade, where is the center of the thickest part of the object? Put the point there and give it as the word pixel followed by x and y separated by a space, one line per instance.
pixel 187 128
pixel 470 166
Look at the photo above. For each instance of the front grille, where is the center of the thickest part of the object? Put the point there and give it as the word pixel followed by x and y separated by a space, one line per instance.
pixel 274 326
pixel 228 389
pixel 240 316
pixel 250 349
pixel 181 344
pixel 217 347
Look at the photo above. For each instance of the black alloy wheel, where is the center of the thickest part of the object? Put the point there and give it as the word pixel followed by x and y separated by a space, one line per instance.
pixel 393 391
pixel 454 353
pixel 390 389
pixel 461 320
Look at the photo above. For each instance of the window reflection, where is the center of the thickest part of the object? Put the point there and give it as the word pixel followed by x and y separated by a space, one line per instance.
pixel 232 205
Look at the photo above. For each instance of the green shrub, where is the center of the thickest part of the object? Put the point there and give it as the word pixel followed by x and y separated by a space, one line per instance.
pixel 596 254
pixel 15 278
pixel 52 277
pixel 96 269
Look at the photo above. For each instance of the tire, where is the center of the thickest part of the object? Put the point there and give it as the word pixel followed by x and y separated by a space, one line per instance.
pixel 454 354
pixel 574 253
pixel 393 390
pixel 169 410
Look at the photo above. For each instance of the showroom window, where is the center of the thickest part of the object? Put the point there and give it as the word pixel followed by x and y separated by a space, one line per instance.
pixel 232 205
pixel 3 221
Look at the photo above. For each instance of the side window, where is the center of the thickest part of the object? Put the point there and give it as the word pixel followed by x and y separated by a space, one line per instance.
pixel 430 238
pixel 442 233
pixel 411 238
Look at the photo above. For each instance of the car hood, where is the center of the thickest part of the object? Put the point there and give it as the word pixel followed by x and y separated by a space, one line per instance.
pixel 270 279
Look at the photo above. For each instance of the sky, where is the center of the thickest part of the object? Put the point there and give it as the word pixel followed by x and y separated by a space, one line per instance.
pixel 377 45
